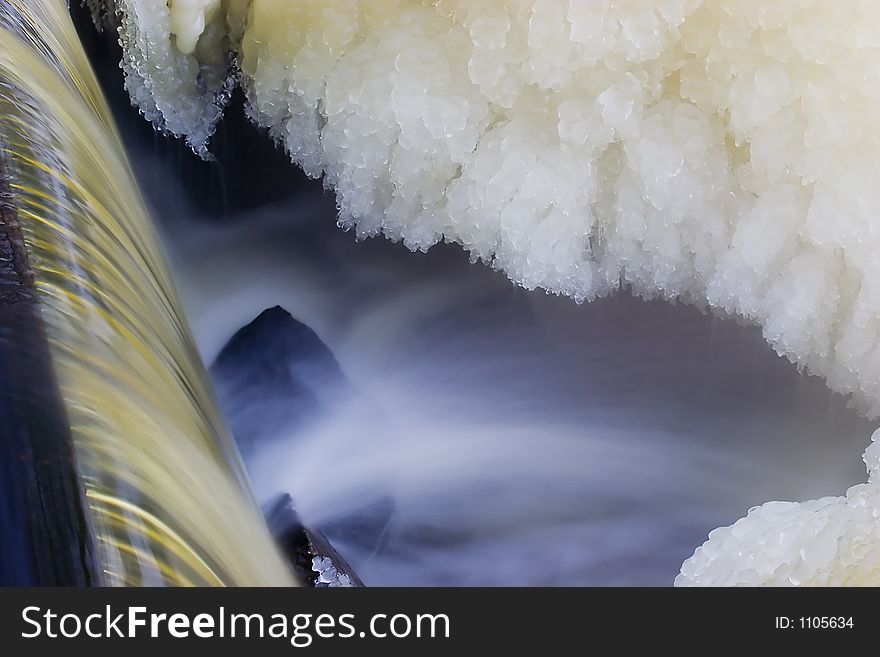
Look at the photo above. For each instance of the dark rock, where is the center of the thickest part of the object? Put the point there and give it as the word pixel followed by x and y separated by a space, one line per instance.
pixel 306 549
pixel 43 525
pixel 274 376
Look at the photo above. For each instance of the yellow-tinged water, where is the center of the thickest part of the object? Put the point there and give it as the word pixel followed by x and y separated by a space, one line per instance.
pixel 168 497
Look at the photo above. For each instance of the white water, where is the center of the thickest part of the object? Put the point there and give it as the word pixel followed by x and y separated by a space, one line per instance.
pixel 523 439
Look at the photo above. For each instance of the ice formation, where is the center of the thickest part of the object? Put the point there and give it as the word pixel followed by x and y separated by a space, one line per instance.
pixel 722 152
pixel 328 575
pixel 833 541
pixel 176 62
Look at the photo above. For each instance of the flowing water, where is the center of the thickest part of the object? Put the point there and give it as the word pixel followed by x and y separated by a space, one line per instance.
pixel 167 496
pixel 511 437
pixel 489 436
pixel 496 436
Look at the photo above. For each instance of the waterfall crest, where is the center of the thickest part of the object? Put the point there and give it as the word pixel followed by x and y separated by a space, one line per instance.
pixel 168 500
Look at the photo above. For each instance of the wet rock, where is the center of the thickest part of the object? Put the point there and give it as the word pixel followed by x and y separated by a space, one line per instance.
pixel 313 560
pixel 274 376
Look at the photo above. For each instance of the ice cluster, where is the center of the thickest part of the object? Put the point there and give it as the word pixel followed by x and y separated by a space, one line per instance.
pixel 833 541
pixel 176 61
pixel 721 152
pixel 328 576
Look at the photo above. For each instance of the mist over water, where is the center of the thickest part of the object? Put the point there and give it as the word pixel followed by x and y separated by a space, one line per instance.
pixel 490 435
pixel 521 438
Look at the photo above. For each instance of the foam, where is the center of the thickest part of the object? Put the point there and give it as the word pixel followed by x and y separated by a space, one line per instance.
pixel 721 152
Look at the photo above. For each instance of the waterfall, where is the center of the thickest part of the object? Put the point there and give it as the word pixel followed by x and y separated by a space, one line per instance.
pixel 167 500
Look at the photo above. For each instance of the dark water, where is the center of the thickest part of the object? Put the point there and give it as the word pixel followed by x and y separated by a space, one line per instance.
pixel 484 434
pixel 522 438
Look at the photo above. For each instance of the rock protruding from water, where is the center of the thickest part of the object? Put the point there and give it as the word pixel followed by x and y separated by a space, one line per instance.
pixel 313 560
pixel 274 376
